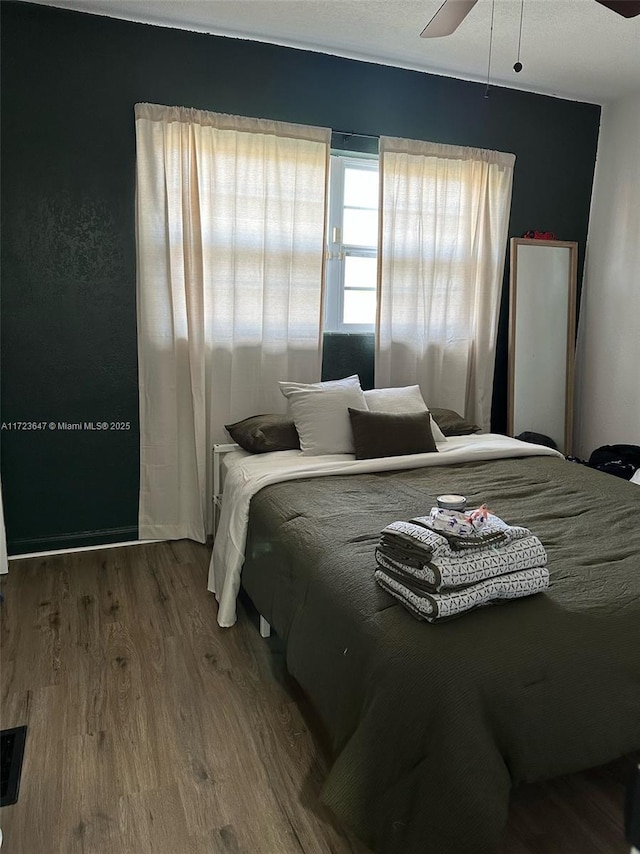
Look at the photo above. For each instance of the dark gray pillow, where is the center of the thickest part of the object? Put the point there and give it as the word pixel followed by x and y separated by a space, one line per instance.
pixel 453 424
pixel 261 434
pixel 390 434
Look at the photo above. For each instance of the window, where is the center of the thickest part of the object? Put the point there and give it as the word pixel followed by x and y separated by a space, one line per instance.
pixel 352 244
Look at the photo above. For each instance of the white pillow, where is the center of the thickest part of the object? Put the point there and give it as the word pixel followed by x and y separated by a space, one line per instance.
pixel 320 412
pixel 348 382
pixel 398 400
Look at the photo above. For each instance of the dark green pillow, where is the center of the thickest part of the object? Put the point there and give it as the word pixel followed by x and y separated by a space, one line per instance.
pixel 390 434
pixel 261 434
pixel 453 424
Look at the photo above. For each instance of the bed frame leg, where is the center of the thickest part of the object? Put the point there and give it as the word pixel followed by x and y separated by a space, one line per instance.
pixel 265 628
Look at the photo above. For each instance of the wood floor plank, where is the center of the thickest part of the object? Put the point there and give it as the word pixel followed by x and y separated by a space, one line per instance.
pixel 153 822
pixel 222 840
pixel 89 817
pixel 575 813
pixel 32 824
pixel 153 731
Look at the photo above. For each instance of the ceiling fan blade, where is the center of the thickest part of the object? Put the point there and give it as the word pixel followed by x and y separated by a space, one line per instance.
pixel 626 8
pixel 448 18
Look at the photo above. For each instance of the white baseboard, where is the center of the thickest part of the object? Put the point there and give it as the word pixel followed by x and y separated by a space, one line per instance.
pixel 83 549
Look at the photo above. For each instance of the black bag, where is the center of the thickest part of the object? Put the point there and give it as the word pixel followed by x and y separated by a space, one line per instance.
pixel 537 439
pixel 619 460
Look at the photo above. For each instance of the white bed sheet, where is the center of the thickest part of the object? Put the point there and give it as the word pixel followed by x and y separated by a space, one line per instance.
pixel 229 460
pixel 246 474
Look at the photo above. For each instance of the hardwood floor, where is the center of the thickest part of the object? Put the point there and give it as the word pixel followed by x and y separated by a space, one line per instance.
pixel 153 731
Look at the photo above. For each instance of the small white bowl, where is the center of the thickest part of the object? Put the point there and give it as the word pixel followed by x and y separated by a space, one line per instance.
pixel 452 502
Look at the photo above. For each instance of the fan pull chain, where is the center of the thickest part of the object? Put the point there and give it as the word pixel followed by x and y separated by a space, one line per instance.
pixel 518 65
pixel 493 8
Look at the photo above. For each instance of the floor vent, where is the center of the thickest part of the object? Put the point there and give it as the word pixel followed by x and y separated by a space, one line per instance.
pixel 11 754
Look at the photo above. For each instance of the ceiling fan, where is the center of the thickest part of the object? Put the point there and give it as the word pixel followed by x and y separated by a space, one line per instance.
pixel 453 12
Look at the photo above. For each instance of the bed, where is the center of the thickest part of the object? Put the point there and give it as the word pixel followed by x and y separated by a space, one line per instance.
pixel 431 725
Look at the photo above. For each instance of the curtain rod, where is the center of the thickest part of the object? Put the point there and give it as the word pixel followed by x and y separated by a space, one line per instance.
pixel 352 133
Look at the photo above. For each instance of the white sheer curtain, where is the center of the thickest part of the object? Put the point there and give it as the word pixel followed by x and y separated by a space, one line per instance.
pixel 230 217
pixel 444 218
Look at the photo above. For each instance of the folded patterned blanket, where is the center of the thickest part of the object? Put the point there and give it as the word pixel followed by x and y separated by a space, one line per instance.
pixel 443 568
pixel 405 541
pixel 462 530
pixel 434 607
pixel 423 533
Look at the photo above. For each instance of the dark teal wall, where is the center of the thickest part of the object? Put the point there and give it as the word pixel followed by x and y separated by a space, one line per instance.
pixel 69 83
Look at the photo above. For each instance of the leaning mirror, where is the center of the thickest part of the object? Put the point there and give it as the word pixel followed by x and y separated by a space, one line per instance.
pixel 542 310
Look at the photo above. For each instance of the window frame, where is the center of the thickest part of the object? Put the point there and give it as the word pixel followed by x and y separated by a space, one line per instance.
pixel 336 250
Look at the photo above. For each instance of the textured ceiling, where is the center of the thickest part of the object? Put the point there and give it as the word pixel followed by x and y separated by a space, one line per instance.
pixel 576 49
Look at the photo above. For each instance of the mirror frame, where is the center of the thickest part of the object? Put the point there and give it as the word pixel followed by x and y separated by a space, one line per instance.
pixel 515 242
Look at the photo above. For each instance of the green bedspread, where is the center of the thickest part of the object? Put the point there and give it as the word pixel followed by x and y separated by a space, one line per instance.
pixel 432 724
